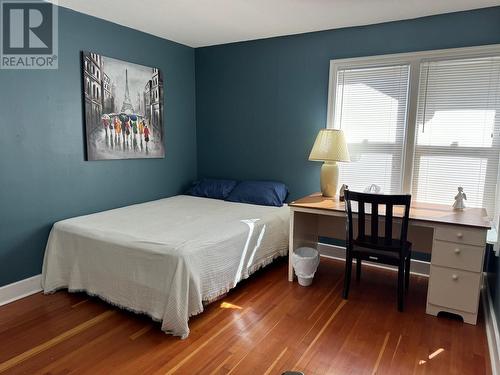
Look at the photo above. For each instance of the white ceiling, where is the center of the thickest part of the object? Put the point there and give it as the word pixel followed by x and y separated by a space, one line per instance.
pixel 198 23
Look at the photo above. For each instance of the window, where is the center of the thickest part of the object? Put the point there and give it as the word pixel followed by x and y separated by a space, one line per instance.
pixel 371 109
pixel 423 123
pixel 458 120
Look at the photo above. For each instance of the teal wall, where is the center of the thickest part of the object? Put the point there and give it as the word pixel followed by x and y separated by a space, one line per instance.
pixel 261 103
pixel 43 174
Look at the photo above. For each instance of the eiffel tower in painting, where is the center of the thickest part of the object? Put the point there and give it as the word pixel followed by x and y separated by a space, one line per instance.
pixel 127 103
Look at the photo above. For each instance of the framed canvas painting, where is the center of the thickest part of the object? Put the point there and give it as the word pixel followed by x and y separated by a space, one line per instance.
pixel 123 105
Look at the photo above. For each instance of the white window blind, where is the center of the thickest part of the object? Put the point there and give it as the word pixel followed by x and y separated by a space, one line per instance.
pixel 457 139
pixel 370 106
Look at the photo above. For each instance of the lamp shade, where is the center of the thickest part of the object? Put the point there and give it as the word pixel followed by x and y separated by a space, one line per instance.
pixel 330 145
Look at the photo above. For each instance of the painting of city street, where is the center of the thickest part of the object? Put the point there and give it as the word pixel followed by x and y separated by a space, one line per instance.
pixel 123 109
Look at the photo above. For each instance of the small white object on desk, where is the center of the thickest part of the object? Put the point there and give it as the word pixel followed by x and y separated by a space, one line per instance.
pixel 373 189
pixel 342 192
pixel 459 199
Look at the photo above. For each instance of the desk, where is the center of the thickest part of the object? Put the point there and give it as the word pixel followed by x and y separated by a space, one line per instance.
pixel 455 239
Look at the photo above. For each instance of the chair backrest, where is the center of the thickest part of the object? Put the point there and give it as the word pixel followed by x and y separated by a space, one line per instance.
pixel 389 201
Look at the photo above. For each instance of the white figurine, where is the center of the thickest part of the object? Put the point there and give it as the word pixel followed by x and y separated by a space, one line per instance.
pixel 459 199
pixel 373 189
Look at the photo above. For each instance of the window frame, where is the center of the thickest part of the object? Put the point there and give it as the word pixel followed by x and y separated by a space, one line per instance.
pixel 414 60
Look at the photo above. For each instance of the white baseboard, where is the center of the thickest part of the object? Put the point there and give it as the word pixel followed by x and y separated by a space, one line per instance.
pixel 417 267
pixel 20 289
pixel 491 325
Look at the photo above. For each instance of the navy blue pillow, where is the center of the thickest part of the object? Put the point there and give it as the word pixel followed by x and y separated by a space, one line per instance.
pixel 266 193
pixel 212 188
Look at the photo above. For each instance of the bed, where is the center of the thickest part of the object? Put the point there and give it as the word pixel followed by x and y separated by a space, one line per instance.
pixel 165 258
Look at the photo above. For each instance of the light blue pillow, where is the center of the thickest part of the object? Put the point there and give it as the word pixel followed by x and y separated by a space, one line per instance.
pixel 266 193
pixel 212 188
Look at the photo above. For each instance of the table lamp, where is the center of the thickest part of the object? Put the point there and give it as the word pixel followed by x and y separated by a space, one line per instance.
pixel 330 147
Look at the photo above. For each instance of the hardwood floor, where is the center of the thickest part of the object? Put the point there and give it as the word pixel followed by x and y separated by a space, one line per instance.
pixel 265 326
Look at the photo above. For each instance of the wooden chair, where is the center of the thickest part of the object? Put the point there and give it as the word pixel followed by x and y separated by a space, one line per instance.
pixel 373 247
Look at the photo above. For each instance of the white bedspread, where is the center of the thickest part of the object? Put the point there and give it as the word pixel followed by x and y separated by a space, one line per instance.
pixel 166 257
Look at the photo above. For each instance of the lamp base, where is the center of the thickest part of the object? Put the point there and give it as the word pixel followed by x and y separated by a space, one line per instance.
pixel 329 178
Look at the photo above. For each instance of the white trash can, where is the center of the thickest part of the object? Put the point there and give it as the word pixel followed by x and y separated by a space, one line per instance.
pixel 305 261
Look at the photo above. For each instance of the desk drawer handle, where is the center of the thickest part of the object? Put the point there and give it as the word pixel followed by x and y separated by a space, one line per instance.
pixel 457 251
pixel 454 277
pixel 460 235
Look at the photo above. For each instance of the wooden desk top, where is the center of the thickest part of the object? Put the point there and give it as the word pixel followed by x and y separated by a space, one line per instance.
pixel 439 213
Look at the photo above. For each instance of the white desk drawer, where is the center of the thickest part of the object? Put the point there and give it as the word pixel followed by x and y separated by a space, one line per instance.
pixel 457 255
pixel 471 236
pixel 454 289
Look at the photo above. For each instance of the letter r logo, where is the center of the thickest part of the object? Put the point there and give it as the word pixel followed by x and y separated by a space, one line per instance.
pixel 27 28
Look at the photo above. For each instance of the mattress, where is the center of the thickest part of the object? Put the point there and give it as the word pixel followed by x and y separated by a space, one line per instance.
pixel 164 258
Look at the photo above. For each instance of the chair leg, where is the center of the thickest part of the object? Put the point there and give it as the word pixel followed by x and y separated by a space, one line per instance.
pixel 358 268
pixel 401 289
pixel 407 271
pixel 347 275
